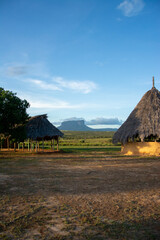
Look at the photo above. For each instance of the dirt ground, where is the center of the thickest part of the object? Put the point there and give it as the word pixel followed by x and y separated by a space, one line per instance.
pixel 79 196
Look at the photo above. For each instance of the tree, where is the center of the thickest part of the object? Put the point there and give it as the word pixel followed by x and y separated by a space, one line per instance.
pixel 12 113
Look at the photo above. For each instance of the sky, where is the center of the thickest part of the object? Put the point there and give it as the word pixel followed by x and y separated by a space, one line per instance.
pixel 80 59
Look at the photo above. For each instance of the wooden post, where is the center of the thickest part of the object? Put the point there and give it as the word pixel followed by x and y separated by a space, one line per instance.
pixel 28 145
pixel 18 146
pixel 36 147
pixel 15 146
pixel 23 146
pixel 2 143
pixel 153 81
pixel 32 146
pixel 53 145
pixel 8 143
pixel 57 143
pixel 43 145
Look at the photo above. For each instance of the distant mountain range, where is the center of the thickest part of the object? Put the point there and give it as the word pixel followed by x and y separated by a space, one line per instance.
pixel 79 125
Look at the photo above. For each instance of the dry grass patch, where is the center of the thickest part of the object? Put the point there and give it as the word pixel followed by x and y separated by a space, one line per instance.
pixel 79 196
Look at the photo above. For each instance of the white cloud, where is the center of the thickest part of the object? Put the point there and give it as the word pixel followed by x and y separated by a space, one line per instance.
pixel 104 121
pixel 72 119
pixel 79 86
pixel 36 74
pixel 68 119
pixel 43 85
pixel 39 101
pixel 131 7
pixel 60 84
pixel 16 70
pixel 54 104
pixel 13 70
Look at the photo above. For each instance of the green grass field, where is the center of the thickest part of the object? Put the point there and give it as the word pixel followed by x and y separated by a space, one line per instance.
pixel 88 141
pixel 85 139
pixel 87 134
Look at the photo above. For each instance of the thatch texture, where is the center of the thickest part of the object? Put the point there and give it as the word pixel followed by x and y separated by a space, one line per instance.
pixel 39 127
pixel 144 120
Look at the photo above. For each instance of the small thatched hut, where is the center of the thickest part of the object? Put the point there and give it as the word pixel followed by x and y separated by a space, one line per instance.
pixel 39 128
pixel 140 133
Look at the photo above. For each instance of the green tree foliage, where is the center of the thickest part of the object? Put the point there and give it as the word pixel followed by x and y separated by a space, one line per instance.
pixel 13 114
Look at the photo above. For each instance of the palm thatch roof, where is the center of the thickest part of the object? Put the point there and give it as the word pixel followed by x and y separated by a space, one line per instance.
pixel 144 120
pixel 39 127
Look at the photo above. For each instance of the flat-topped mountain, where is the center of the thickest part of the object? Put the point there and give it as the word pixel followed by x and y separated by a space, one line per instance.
pixel 79 125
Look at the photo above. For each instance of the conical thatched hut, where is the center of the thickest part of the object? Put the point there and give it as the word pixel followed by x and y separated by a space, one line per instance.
pixel 140 133
pixel 39 128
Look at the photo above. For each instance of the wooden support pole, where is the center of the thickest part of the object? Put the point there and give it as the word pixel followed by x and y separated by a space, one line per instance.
pixel 28 145
pixel 15 147
pixel 43 145
pixel 8 143
pixel 36 147
pixel 53 145
pixel 57 143
pixel 1 145
pixel 153 81
pixel 31 145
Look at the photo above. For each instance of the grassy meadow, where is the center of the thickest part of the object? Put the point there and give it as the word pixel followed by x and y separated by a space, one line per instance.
pixel 86 138
pixel 84 192
pixel 87 141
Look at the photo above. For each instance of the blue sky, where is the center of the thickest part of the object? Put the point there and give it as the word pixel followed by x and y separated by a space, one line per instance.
pixel 74 59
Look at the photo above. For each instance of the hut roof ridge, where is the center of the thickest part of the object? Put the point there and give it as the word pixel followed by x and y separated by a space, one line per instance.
pixel 39 116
